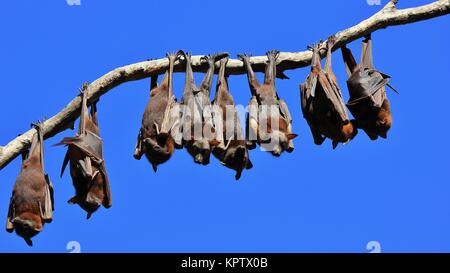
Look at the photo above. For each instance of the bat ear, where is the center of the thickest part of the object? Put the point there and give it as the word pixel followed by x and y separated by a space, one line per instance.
pixel 214 143
pixel 291 136
pixel 38 229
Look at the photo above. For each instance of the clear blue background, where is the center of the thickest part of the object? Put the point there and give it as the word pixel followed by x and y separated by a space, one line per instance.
pixel 394 191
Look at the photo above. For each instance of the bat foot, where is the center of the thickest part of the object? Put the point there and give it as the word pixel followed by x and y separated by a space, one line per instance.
pixel 273 54
pixel 331 41
pixel 244 57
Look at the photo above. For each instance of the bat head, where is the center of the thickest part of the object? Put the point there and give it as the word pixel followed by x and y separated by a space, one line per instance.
pixel 200 150
pixel 383 125
pixel 374 121
pixel 28 225
pixel 384 120
pixel 348 131
pixel 278 142
pixel 237 158
pixel 90 205
pixel 90 195
pixel 161 150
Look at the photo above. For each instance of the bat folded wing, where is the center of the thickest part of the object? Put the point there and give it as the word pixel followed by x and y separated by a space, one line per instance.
pixel 89 143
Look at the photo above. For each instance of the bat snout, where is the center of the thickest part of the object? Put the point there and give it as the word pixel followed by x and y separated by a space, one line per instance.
pixel 201 159
pixel 25 224
pixel 277 150
pixel 198 158
pixel 26 228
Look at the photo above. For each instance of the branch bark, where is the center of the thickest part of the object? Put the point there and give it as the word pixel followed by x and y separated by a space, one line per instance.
pixel 389 15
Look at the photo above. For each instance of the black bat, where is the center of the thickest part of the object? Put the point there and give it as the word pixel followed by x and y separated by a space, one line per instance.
pixel 155 139
pixel 322 103
pixel 87 167
pixel 31 204
pixel 231 150
pixel 272 130
pixel 196 118
pixel 368 101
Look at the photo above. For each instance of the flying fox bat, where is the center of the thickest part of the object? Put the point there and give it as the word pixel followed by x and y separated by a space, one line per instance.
pixel 231 150
pixel 196 118
pixel 87 167
pixel 368 101
pixel 31 204
pixel 322 103
pixel 269 122
pixel 155 139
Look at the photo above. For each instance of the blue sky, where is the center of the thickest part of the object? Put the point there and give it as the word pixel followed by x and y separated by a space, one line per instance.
pixel 394 191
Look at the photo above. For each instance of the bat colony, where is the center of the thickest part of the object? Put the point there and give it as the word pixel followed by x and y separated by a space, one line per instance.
pixel 202 127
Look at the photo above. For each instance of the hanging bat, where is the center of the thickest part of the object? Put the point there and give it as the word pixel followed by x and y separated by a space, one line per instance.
pixel 322 103
pixel 87 167
pixel 196 118
pixel 269 122
pixel 231 151
pixel 31 204
pixel 368 101
pixel 155 139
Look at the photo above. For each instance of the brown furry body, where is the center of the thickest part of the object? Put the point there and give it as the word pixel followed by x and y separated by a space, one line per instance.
pixel 87 167
pixel 322 103
pixel 264 97
pixel 368 101
pixel 157 146
pixel 232 151
pixel 31 203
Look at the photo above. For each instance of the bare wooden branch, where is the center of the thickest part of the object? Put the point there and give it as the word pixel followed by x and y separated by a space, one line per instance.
pixel 387 16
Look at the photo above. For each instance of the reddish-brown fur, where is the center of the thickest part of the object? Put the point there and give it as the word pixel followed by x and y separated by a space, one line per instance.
pixel 323 107
pixel 375 122
pixel 157 146
pixel 30 194
pixel 369 104
pixel 91 189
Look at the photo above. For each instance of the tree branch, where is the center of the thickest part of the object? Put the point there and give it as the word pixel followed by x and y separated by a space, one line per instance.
pixel 387 16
